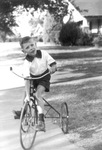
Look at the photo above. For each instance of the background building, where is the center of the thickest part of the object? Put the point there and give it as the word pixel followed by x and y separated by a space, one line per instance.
pixel 93 13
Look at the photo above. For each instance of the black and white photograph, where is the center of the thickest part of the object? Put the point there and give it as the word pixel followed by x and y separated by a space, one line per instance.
pixel 50 74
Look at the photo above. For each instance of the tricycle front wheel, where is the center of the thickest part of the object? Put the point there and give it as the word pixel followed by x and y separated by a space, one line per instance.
pixel 27 126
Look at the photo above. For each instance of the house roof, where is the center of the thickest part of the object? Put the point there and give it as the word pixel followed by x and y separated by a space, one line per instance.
pixel 92 7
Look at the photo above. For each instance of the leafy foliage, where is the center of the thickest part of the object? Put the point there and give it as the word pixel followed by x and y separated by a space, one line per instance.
pixel 7 19
pixel 51 29
pixel 86 39
pixel 56 7
pixel 97 41
pixel 70 33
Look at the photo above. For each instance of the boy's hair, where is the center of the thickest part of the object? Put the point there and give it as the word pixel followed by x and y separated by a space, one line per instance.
pixel 24 40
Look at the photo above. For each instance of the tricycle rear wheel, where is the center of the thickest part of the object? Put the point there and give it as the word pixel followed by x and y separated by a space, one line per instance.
pixel 64 117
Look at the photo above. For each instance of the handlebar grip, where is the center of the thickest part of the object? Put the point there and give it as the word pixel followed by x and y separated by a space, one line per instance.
pixel 11 68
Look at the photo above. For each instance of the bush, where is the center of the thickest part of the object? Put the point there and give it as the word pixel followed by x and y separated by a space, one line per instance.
pixel 70 34
pixel 97 41
pixel 85 40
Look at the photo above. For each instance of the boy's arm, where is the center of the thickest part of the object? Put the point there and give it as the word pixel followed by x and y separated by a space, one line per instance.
pixel 51 62
pixel 27 89
pixel 26 73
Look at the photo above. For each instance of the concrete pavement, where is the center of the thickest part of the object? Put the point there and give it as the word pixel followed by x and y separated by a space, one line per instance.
pixel 8 80
pixel 52 139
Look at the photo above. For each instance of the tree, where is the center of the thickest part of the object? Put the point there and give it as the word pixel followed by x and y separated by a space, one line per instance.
pixel 7 7
pixel 51 29
pixel 6 19
pixel 57 8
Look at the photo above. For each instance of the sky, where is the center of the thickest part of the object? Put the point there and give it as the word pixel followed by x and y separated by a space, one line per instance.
pixel 87 1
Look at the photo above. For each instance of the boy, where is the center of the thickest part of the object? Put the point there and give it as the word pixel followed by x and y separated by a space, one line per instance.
pixel 36 64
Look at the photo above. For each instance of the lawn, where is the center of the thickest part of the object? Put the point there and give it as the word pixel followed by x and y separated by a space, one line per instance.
pixel 78 81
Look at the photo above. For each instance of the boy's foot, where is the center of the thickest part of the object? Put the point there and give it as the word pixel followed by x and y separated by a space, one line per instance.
pixel 40 126
pixel 17 114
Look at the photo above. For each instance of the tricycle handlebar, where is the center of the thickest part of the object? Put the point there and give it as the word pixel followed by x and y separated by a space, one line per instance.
pixel 29 78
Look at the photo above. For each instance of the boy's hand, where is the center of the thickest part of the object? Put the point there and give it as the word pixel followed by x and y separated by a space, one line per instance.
pixel 50 71
pixel 27 78
pixel 53 69
pixel 11 68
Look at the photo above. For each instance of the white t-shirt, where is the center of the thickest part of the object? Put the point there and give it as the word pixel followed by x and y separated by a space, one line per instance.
pixel 38 65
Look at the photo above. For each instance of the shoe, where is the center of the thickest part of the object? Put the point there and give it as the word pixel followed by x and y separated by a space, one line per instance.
pixel 17 114
pixel 40 126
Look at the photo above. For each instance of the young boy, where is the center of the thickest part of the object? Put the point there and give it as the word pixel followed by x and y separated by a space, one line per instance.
pixel 36 64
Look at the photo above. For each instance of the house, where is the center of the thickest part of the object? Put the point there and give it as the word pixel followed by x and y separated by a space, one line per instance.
pixel 92 11
pixel 75 16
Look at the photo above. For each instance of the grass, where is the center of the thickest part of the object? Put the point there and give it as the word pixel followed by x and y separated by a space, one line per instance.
pixel 84 97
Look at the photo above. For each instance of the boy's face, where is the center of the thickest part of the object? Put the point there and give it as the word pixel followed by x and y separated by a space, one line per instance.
pixel 29 47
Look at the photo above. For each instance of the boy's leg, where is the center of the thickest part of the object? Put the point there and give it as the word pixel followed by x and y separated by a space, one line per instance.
pixel 41 124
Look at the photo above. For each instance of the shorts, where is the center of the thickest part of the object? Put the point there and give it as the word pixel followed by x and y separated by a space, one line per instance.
pixel 45 82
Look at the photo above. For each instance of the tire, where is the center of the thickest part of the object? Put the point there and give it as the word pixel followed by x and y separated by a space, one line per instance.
pixel 64 117
pixel 28 122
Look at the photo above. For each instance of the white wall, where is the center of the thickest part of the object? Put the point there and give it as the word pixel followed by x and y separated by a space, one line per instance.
pixel 76 15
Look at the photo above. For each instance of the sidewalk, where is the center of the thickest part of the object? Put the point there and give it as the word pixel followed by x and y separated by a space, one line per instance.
pixel 52 139
pixel 8 80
